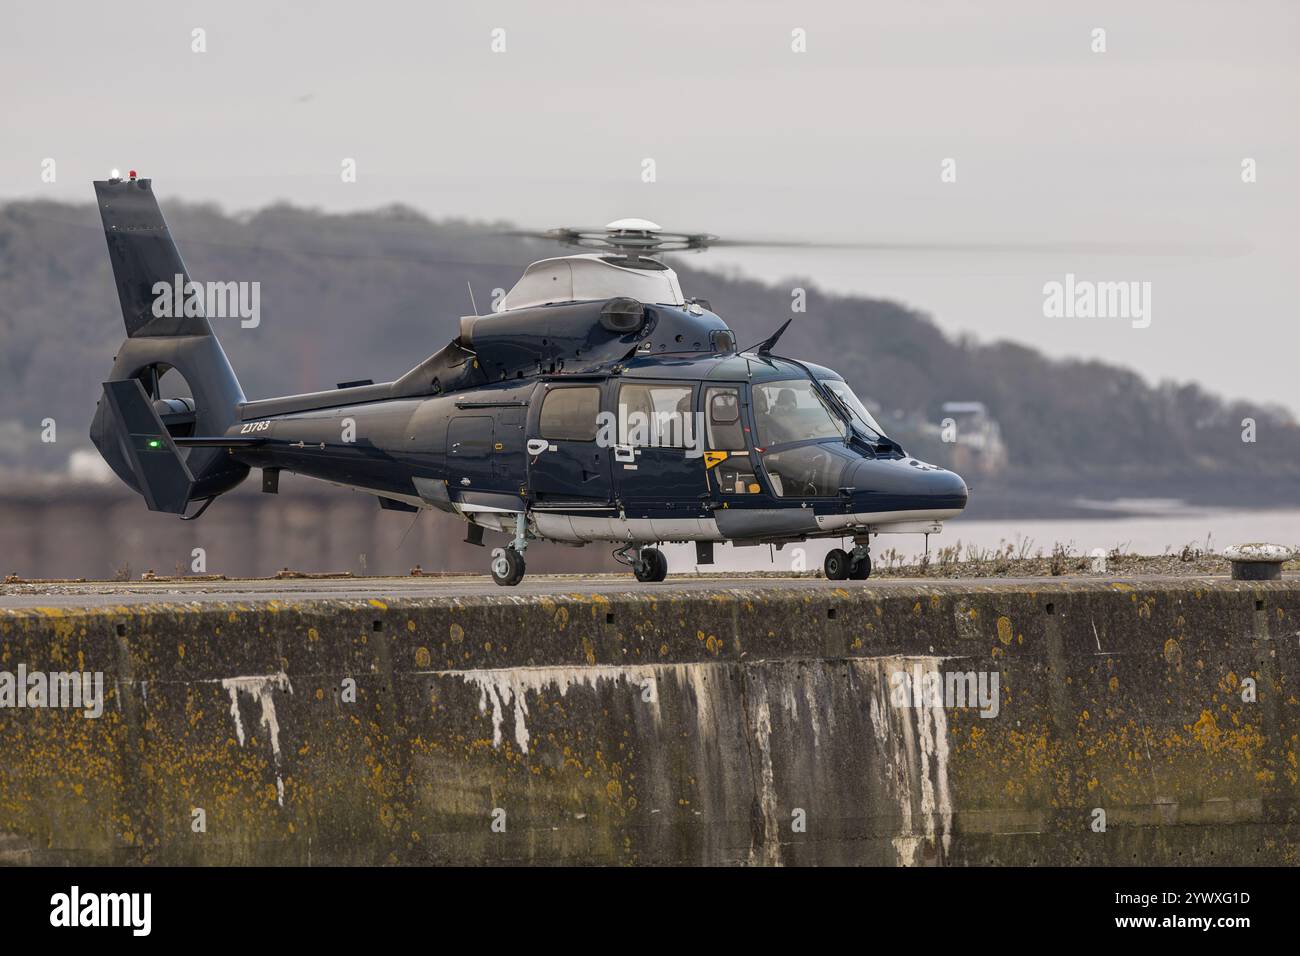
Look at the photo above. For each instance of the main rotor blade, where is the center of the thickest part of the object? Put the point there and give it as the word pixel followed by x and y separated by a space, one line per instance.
pixel 666 242
pixel 1097 247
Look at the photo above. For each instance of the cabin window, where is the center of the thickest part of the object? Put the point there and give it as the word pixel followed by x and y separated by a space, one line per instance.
pixel 656 416
pixel 569 414
pixel 791 411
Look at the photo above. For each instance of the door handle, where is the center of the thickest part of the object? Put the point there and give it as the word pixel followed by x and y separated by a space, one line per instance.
pixel 536 446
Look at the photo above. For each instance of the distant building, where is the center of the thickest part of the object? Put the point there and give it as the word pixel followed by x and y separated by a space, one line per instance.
pixel 975 436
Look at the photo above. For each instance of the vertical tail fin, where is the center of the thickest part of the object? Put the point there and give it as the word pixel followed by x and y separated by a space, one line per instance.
pixel 143 254
pixel 147 267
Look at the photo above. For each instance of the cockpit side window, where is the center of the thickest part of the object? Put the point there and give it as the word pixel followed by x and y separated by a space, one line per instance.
pixel 792 411
pixel 805 471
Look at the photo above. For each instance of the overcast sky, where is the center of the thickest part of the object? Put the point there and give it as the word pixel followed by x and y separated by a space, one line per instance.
pixel 1051 140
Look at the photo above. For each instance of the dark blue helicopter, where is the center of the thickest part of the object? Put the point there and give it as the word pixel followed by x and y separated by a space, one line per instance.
pixel 598 404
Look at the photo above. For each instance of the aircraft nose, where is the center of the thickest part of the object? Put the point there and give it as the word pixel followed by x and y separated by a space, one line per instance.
pixel 953 484
pixel 905 484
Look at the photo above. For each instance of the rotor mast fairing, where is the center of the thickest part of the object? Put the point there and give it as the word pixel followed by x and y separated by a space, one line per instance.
pixel 594 277
pixel 623 266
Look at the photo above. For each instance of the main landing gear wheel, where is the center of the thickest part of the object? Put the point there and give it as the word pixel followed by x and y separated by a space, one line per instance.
pixel 508 567
pixel 836 564
pixel 650 565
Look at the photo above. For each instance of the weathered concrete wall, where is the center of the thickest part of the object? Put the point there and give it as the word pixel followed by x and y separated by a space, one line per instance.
pixel 105 532
pixel 668 727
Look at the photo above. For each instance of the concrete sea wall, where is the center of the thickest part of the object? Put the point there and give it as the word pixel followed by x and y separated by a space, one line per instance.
pixel 104 531
pixel 1147 722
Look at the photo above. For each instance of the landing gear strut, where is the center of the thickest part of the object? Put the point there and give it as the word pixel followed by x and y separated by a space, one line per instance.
pixel 860 563
pixel 648 564
pixel 508 563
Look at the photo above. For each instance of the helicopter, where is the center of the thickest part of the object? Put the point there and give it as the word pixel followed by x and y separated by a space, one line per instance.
pixel 598 403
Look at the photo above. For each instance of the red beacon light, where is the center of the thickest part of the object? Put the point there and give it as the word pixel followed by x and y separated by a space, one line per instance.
pixel 131 174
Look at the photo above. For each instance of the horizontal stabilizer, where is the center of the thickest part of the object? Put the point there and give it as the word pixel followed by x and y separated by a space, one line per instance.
pixel 164 478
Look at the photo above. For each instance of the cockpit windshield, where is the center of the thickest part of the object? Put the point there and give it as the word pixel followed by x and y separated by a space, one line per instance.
pixel 859 411
pixel 791 411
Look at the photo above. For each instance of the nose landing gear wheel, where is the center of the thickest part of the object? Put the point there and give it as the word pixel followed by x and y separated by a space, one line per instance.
pixel 836 564
pixel 508 568
pixel 860 569
pixel 650 565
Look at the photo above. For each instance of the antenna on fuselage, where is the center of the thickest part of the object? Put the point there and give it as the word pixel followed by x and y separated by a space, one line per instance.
pixel 765 347
pixel 469 285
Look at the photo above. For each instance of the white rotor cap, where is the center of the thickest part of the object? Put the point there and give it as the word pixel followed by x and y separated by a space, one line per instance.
pixel 633 225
